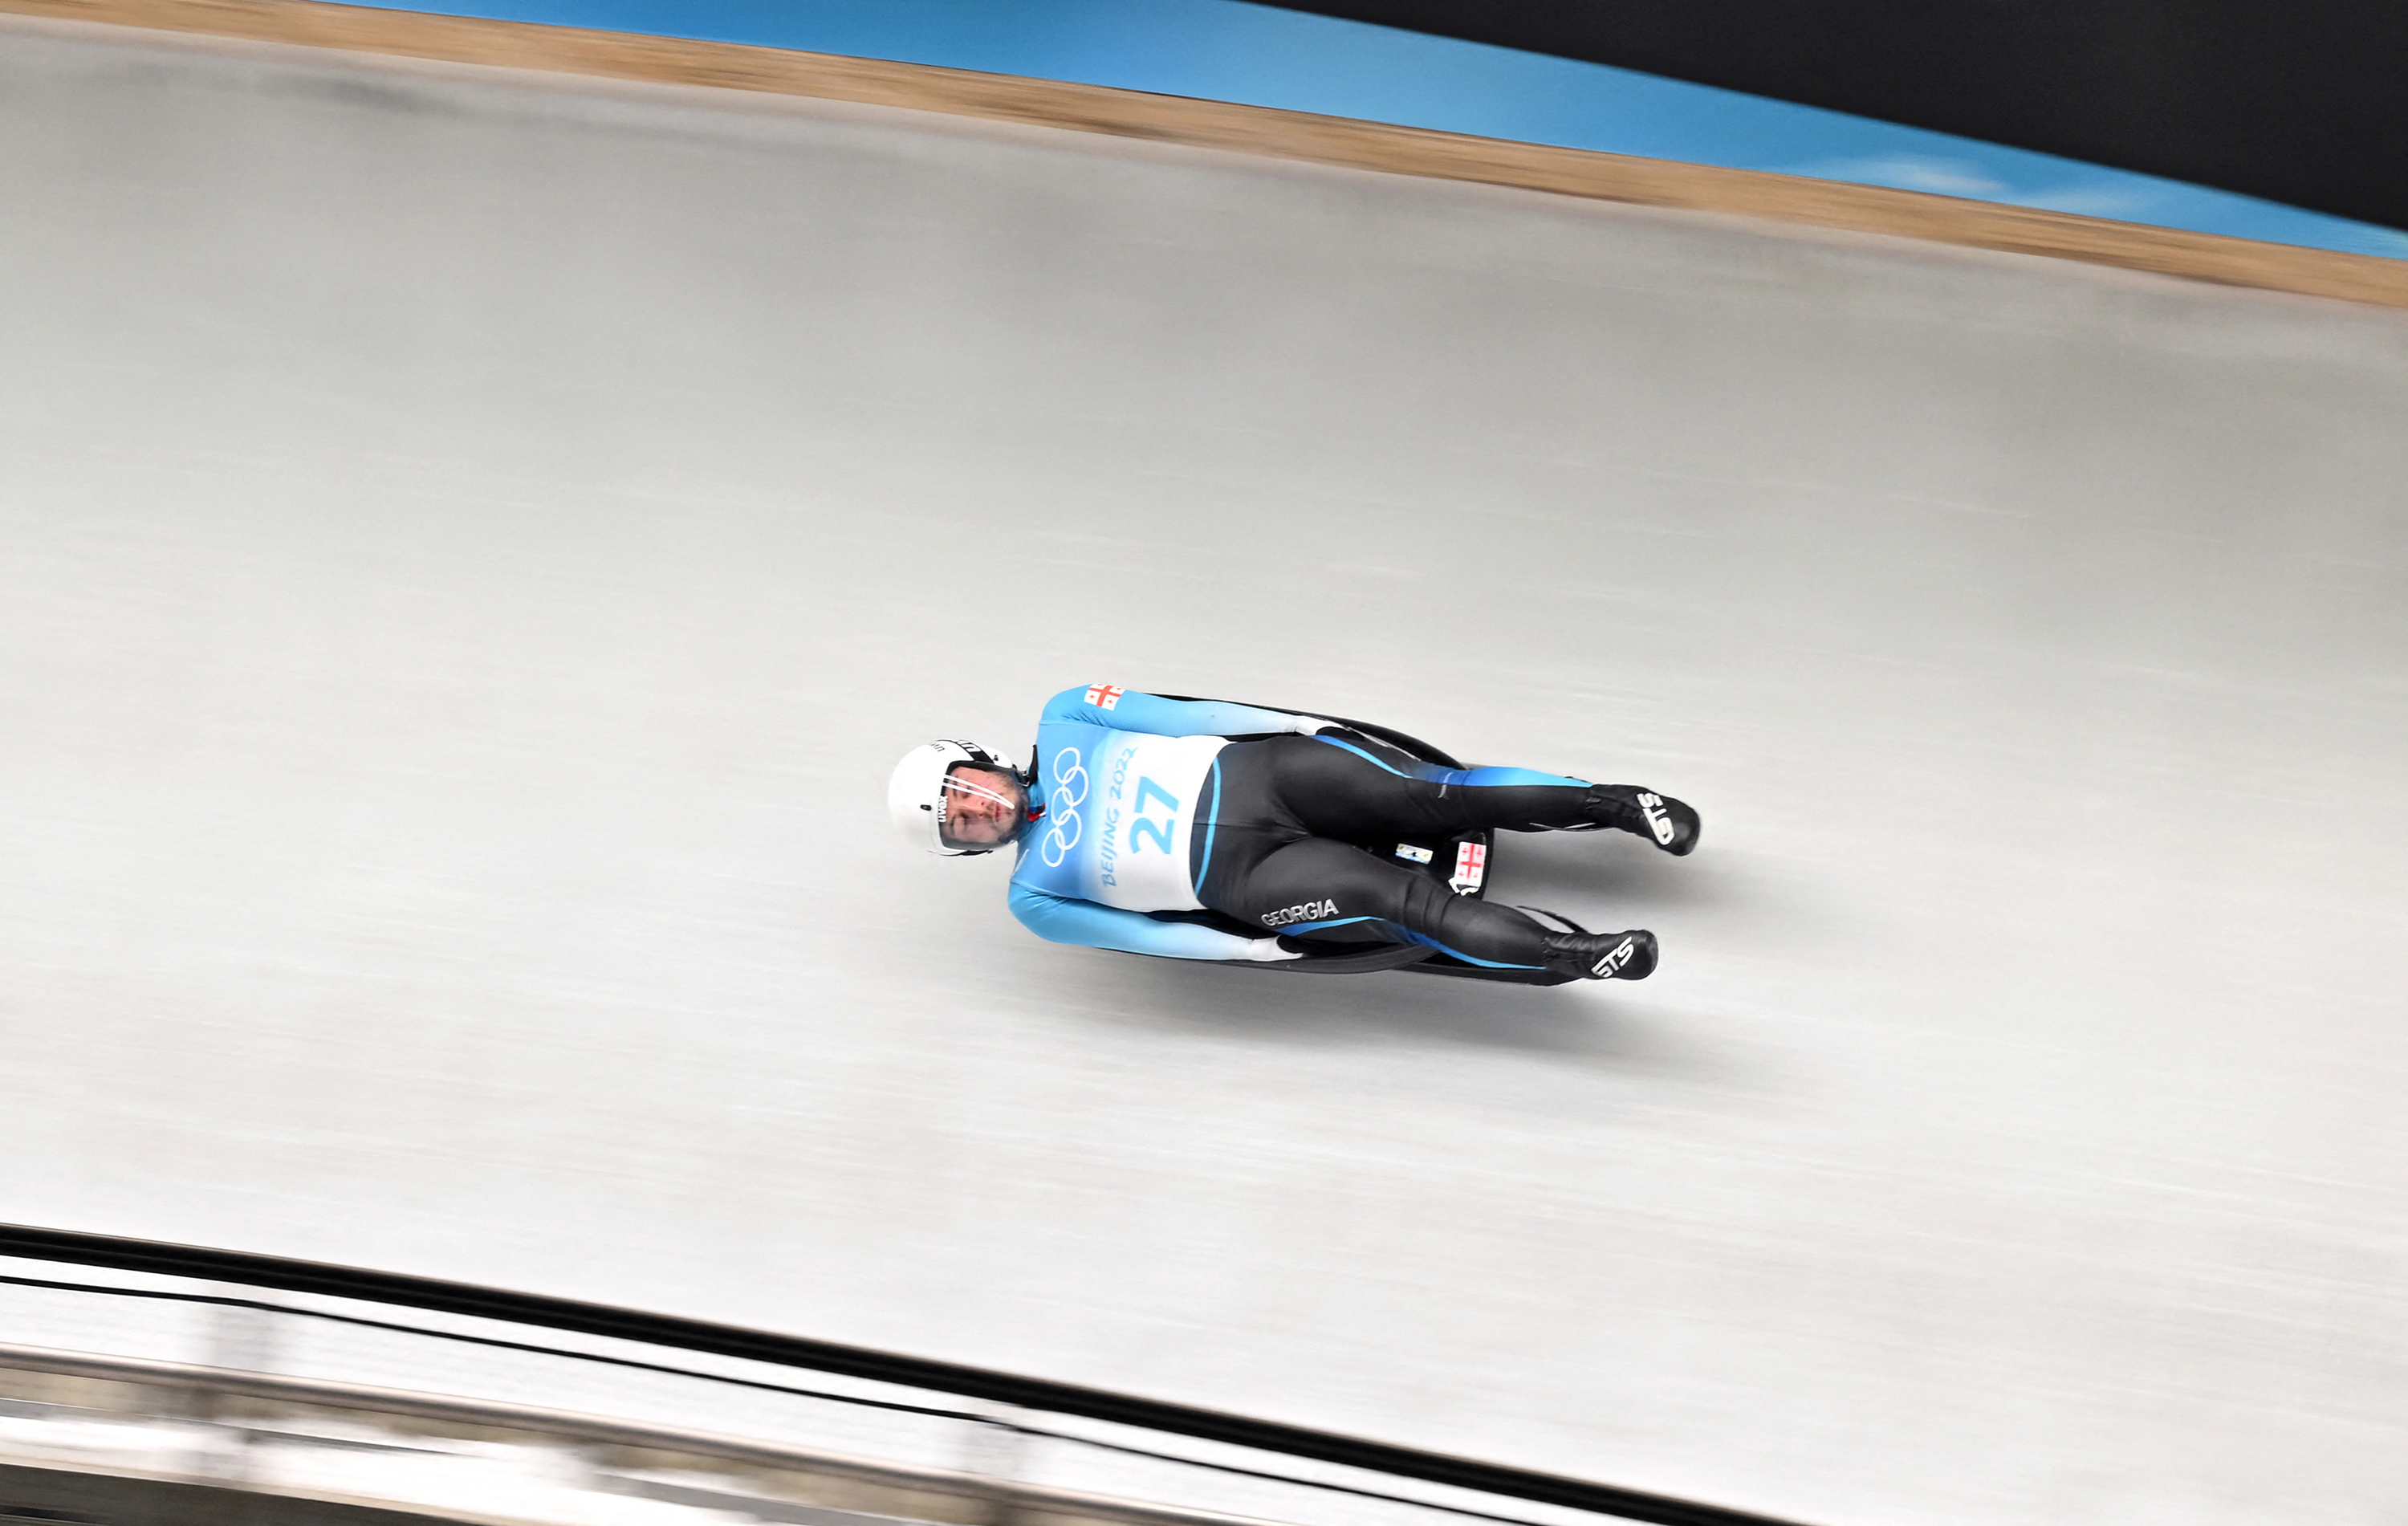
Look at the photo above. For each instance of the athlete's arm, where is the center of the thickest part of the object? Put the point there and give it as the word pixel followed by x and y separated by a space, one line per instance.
pixel 1127 710
pixel 1063 919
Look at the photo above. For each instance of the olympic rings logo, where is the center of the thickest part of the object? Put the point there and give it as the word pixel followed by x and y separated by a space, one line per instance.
pixel 1062 807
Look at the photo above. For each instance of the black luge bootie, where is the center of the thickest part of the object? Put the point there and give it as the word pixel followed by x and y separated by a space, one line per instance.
pixel 1602 956
pixel 1668 823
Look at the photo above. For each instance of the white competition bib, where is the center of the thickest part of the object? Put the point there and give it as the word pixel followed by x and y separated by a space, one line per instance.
pixel 1142 817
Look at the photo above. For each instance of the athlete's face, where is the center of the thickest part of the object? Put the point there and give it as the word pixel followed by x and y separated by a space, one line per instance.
pixel 983 807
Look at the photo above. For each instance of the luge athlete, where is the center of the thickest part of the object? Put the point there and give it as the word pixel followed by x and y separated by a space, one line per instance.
pixel 1138 803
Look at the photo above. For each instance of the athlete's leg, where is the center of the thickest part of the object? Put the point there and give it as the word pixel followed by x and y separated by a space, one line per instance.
pixel 1358 790
pixel 1254 861
pixel 1317 888
pixel 1333 889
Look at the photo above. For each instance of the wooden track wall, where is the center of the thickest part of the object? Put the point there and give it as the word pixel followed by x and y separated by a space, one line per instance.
pixel 1248 129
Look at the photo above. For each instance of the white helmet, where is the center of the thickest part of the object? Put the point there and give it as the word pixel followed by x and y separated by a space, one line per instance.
pixel 918 792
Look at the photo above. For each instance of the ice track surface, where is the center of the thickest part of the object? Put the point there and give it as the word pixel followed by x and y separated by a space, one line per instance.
pixel 471 546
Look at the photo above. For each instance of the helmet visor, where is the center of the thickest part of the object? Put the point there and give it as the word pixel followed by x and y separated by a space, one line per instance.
pixel 980 808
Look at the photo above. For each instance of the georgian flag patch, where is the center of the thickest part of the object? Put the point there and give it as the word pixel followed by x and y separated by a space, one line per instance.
pixel 1470 868
pixel 1105 696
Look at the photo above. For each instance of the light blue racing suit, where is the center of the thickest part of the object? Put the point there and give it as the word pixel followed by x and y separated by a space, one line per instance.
pixel 1121 777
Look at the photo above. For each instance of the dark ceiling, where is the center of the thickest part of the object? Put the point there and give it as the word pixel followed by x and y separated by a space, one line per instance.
pixel 2301 101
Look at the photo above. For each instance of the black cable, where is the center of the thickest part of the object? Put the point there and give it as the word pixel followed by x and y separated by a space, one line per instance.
pixel 1274 1477
pixel 435 1295
pixel 224 1302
